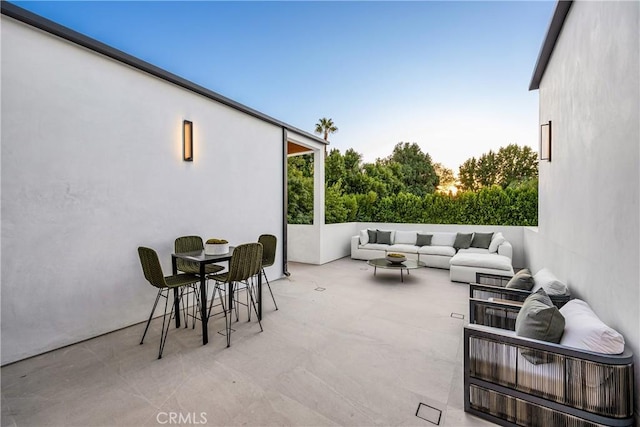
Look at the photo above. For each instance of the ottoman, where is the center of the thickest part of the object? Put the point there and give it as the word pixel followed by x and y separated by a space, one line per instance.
pixel 464 266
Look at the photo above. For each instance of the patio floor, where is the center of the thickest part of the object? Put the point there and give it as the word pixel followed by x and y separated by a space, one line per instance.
pixel 345 348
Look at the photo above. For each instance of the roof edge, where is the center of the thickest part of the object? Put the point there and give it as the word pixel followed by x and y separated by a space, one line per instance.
pixel 16 12
pixel 553 32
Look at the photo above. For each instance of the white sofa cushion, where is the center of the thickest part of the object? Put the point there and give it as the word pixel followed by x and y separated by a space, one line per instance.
pixel 496 241
pixel 583 329
pixel 437 250
pixel 406 237
pixel 493 261
pixel 474 251
pixel 377 246
pixel 443 239
pixel 549 282
pixel 364 237
pixel 407 249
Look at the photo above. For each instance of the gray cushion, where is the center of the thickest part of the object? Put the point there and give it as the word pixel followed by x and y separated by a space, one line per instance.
pixel 424 239
pixel 384 237
pixel 522 280
pixel 540 319
pixel 481 240
pixel 463 240
pixel 372 236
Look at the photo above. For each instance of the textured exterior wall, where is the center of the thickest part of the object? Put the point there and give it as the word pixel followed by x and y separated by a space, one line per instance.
pixel 92 168
pixel 588 231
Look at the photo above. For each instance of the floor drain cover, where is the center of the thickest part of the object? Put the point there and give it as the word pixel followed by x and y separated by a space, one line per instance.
pixel 429 413
pixel 319 289
pixel 457 315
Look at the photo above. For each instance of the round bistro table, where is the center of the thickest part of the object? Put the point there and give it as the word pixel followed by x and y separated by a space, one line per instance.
pixel 407 265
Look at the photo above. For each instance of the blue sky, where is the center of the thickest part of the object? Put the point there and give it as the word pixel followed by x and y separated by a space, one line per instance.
pixel 450 76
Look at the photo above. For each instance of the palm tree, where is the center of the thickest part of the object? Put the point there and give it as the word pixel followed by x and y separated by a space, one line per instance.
pixel 326 126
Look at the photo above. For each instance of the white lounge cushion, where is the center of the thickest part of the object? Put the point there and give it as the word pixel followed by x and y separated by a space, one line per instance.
pixel 443 239
pixel 496 241
pixel 407 249
pixel 583 329
pixel 493 261
pixel 551 284
pixel 406 237
pixel 474 251
pixel 364 237
pixel 377 246
pixel 437 250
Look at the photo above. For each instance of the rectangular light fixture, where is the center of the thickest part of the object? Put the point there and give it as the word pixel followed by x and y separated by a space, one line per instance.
pixel 545 141
pixel 187 141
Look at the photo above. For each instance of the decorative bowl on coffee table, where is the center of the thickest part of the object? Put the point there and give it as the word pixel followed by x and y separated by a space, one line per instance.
pixel 394 258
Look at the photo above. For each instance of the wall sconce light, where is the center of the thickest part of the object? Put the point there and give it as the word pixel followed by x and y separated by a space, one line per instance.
pixel 187 141
pixel 545 141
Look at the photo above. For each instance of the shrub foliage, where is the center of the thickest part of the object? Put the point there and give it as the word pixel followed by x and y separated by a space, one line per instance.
pixel 394 191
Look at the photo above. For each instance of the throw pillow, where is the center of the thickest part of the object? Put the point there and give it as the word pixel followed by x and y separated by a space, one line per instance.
pixel 424 239
pixel 496 241
pixel 549 282
pixel 384 237
pixel 463 241
pixel 585 330
pixel 373 236
pixel 540 319
pixel 481 240
pixel 364 237
pixel 521 280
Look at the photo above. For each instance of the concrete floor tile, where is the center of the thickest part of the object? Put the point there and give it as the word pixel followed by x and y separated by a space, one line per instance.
pixel 366 350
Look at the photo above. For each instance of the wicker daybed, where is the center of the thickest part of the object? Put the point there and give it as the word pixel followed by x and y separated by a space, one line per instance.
pixel 567 386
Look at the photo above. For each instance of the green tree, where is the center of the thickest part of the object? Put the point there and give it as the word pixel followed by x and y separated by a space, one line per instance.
pixel 325 127
pixel 353 182
pixel 467 175
pixel 511 164
pixel 446 178
pixel 300 189
pixel 413 168
pixel 516 164
pixel 334 169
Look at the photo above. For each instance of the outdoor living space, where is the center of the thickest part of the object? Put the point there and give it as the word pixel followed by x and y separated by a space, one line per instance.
pixel 344 348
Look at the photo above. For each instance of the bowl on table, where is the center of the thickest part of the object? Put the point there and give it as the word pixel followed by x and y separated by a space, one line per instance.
pixel 394 258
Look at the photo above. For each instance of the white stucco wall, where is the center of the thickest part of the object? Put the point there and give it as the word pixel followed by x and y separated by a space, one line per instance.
pixel 303 243
pixel 92 169
pixel 588 231
pixel 336 241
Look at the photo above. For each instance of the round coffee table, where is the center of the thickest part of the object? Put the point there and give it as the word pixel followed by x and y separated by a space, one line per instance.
pixel 407 265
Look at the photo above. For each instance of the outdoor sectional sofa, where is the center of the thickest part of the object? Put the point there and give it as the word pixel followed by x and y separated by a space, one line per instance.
pixel 463 263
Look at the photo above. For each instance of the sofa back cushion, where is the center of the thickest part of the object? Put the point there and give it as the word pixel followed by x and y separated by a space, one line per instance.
pixel 405 238
pixel 585 330
pixel 540 319
pixel 481 240
pixel 521 280
pixel 443 239
pixel 496 241
pixel 546 280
